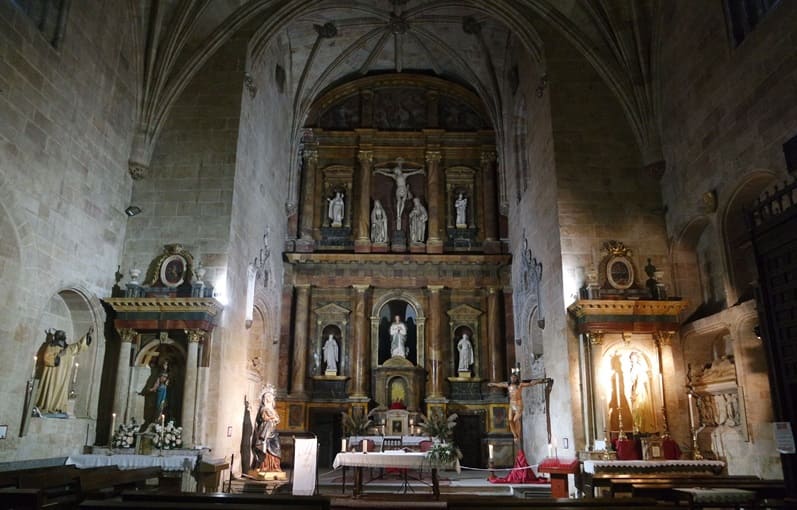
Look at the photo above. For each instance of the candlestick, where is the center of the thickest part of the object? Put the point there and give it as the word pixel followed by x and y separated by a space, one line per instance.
pixel 691 416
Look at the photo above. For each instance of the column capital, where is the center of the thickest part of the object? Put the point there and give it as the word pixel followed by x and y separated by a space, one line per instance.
pixel 433 156
pixel 365 156
pixel 360 287
pixel 435 288
pixel 663 337
pixel 195 336
pixel 310 155
pixel 595 337
pixel 127 334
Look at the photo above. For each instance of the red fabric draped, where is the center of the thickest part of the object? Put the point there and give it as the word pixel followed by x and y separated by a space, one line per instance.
pixel 521 473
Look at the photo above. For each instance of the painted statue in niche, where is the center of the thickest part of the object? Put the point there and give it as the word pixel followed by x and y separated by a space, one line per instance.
pixel 265 441
pixel 397 331
pixel 631 392
pixel 58 369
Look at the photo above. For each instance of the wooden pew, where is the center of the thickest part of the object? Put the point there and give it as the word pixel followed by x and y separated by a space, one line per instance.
pixel 218 498
pixel 20 499
pixel 664 491
pixel 490 502
pixel 622 484
pixel 11 478
pixel 110 481
pixel 59 488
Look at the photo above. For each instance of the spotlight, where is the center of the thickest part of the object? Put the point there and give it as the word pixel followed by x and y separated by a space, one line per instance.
pixel 133 210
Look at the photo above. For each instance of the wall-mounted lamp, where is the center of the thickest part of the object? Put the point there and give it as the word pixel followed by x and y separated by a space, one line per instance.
pixel 133 210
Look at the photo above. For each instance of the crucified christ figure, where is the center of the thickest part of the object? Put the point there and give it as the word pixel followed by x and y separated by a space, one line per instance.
pixel 403 194
pixel 515 389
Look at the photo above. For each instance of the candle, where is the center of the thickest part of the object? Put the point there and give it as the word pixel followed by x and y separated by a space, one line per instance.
pixel 617 388
pixel 343 444
pixel 661 388
pixel 550 450
pixel 691 416
pixel 113 424
pixel 163 417
pixel 365 446
pixel 74 373
pixel 490 451
pixel 33 374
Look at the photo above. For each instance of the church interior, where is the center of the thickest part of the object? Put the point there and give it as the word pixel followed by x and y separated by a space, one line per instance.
pixel 379 209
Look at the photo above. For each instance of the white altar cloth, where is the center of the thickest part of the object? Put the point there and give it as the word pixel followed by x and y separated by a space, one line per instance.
pixel 393 459
pixel 630 466
pixel 166 463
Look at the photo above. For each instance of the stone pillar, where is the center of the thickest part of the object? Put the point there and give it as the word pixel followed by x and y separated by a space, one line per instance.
pixel 360 356
pixel 491 241
pixel 122 390
pixel 305 243
pixel 284 349
pixel 435 345
pixel 190 386
pixel 362 234
pixel 597 405
pixel 300 340
pixel 436 208
pixel 497 352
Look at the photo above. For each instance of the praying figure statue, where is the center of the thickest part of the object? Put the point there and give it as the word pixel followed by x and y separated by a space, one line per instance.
pixel 418 218
pixel 403 193
pixel 398 338
pixel 636 389
pixel 57 359
pixel 378 223
pixel 335 209
pixel 465 353
pixel 461 204
pixel 331 354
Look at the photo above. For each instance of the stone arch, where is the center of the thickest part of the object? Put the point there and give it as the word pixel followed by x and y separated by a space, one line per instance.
pixel 695 268
pixel 739 256
pixel 75 310
pixel 379 305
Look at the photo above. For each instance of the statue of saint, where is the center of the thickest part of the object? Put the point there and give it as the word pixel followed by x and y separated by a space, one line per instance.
pixel 461 204
pixel 335 209
pixel 161 389
pixel 515 389
pixel 265 440
pixel 418 218
pixel 636 389
pixel 57 359
pixel 398 338
pixel 403 194
pixel 378 223
pixel 465 353
pixel 331 354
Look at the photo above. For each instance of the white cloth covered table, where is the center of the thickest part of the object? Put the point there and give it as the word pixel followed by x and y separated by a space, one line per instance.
pixel 395 459
pixel 166 462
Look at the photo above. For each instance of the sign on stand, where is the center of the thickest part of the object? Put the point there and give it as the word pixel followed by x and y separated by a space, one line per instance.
pixel 304 466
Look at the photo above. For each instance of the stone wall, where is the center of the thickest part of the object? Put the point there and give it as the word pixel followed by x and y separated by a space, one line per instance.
pixel 67 119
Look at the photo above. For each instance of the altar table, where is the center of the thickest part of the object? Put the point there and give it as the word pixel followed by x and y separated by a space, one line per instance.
pixel 397 459
pixel 166 462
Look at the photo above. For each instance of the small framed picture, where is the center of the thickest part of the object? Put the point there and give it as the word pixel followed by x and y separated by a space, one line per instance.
pixel 651 448
pixel 396 427
pixel 498 418
pixel 172 270
pixel 3 431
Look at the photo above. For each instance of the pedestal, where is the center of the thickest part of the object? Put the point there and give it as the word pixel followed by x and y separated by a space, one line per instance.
pixel 398 241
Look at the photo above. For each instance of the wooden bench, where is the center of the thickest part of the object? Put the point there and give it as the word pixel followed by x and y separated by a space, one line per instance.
pixel 463 502
pixel 664 491
pixel 111 481
pixel 172 505
pixel 622 485
pixel 58 488
pixel 316 502
pixel 11 478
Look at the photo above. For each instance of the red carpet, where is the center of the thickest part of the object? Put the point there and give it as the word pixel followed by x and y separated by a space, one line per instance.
pixel 521 473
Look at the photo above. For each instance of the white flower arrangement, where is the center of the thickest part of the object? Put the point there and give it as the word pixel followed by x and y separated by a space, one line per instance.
pixel 125 435
pixel 168 437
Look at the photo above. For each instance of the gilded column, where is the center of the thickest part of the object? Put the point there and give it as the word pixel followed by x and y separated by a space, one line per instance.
pixel 491 242
pixel 300 340
pixel 362 235
pixel 435 342
pixel 436 209
pixel 359 354
pixel 190 386
pixel 497 354
pixel 305 242
pixel 122 390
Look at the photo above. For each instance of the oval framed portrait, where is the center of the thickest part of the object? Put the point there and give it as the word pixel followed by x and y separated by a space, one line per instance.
pixel 620 273
pixel 172 271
